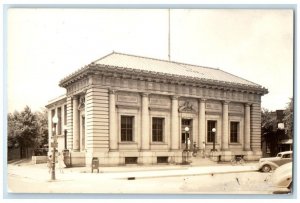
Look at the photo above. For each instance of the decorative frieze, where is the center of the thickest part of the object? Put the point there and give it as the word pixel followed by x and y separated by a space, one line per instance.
pixel 188 106
pixel 213 106
pixel 156 100
pixel 127 98
pixel 236 108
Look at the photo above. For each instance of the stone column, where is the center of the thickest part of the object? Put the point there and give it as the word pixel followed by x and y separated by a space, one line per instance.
pixel 174 124
pixel 247 128
pixel 145 122
pixel 113 136
pixel 201 124
pixel 76 125
pixel 225 126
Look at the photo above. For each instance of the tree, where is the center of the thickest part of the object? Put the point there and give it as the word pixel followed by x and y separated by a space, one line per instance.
pixel 42 128
pixel 27 130
pixel 289 118
pixel 268 121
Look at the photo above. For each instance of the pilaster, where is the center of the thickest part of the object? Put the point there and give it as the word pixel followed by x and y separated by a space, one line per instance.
pixel 174 124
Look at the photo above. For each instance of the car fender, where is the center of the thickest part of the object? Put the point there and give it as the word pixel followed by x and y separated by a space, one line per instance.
pixel 272 164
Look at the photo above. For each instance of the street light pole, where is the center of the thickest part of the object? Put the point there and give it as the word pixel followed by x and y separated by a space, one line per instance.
pixel 186 129
pixel 55 121
pixel 214 139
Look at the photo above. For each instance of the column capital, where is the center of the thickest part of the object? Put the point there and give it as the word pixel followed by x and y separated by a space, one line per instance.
pixel 174 97
pixel 202 100
pixel 112 91
pixel 225 102
pixel 248 104
pixel 145 94
pixel 74 97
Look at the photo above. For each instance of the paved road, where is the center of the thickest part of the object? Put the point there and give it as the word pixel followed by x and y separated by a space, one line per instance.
pixel 217 179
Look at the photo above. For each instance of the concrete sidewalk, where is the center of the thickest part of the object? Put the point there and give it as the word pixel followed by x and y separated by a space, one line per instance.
pixel 40 171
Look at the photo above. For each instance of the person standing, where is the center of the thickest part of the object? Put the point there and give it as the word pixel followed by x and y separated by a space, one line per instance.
pixel 189 143
pixel 49 163
pixel 61 163
pixel 203 149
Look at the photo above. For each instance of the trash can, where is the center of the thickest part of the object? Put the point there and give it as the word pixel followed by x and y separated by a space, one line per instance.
pixel 95 164
pixel 67 158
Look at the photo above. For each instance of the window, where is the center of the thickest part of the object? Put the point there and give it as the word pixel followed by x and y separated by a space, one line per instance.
pixel 157 129
pixel 210 133
pixel 65 115
pixel 126 128
pixel 234 129
pixel 59 121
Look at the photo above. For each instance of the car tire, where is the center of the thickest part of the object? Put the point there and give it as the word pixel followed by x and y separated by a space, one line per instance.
pixel 266 168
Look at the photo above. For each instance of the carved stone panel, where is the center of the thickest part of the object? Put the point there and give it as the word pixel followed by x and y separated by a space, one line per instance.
pixel 131 98
pixel 236 107
pixel 161 101
pixel 213 106
pixel 188 105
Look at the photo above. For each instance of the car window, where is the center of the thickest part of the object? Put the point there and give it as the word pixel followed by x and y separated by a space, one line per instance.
pixel 279 155
pixel 286 156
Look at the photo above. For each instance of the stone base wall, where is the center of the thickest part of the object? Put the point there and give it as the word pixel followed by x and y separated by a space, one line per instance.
pixel 115 158
pixel 77 159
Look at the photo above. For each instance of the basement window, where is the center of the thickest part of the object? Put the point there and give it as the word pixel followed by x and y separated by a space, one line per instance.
pixel 162 159
pixel 130 160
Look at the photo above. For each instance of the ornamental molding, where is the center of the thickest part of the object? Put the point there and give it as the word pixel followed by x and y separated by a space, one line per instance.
pixel 114 72
pixel 187 107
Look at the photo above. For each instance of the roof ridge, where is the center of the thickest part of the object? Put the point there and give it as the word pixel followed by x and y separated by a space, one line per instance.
pixel 180 63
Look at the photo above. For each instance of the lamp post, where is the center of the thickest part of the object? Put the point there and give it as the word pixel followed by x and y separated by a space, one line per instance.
pixel 186 129
pixel 55 121
pixel 214 139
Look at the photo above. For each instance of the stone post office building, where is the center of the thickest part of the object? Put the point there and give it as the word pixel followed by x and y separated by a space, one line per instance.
pixel 130 109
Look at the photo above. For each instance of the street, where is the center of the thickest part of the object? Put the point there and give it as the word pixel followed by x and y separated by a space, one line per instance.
pixel 140 180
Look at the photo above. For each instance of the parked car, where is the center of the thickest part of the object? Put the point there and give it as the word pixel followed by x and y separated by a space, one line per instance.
pixel 271 163
pixel 282 178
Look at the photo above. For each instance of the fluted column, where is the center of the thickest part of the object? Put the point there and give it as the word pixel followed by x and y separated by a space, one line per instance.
pixel 113 136
pixel 247 128
pixel 145 122
pixel 174 124
pixel 76 125
pixel 225 126
pixel 201 124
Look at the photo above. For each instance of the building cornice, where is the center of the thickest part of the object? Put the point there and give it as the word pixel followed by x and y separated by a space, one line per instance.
pixel 128 73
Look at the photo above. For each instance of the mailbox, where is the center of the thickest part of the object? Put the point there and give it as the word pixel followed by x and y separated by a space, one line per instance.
pixel 95 164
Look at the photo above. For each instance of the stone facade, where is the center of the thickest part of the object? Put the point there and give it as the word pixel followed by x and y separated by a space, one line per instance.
pixel 102 102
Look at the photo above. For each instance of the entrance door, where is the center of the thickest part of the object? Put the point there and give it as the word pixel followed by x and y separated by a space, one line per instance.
pixel 188 134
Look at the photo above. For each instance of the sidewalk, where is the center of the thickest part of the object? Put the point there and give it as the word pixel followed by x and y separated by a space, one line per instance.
pixel 39 171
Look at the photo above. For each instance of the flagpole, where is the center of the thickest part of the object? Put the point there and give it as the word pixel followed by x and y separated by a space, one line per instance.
pixel 169 46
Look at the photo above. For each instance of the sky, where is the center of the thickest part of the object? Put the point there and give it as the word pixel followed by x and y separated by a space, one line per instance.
pixel 46 45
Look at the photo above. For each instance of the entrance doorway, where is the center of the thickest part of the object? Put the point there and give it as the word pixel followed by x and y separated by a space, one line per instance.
pixel 184 135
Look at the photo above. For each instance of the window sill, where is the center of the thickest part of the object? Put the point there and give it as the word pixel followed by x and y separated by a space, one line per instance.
pixel 158 143
pixel 233 143
pixel 127 142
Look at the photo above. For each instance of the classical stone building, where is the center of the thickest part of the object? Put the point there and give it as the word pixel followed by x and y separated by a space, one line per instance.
pixel 131 109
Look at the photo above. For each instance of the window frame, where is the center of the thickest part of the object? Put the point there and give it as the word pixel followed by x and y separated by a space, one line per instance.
pixel 237 132
pixel 156 129
pixel 209 133
pixel 127 128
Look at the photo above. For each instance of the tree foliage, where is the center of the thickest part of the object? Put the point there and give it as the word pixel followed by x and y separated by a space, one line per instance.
pixel 27 129
pixel 289 118
pixel 267 121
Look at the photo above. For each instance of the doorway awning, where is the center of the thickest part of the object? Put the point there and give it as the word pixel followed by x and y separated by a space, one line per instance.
pixel 286 141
